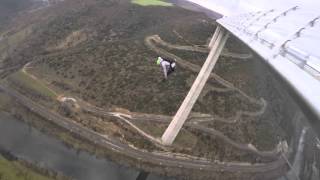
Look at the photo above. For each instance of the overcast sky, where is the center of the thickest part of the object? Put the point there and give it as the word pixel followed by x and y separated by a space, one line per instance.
pixel 229 7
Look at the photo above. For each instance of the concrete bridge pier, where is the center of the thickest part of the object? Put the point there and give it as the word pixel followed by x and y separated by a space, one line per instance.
pixel 214 37
pixel 217 43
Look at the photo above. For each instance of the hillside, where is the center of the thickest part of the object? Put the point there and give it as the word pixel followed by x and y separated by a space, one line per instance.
pixel 84 58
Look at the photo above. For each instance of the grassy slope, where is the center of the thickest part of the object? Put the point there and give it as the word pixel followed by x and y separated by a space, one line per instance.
pixel 31 84
pixel 115 68
pixel 16 171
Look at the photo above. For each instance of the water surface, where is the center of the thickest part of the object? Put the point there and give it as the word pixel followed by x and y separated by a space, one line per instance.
pixel 30 144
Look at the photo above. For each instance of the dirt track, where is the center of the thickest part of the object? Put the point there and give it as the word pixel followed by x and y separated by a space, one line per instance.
pixel 150 42
pixel 256 171
pixel 195 122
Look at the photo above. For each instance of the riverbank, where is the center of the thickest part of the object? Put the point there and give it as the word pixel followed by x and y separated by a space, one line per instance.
pixel 153 162
pixel 25 140
pixel 14 168
pixel 75 143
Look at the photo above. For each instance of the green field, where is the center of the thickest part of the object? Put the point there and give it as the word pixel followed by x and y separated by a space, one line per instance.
pixel 28 82
pixel 15 171
pixel 151 3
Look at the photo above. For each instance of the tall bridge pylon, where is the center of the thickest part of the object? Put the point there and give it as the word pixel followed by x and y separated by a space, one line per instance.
pixel 216 45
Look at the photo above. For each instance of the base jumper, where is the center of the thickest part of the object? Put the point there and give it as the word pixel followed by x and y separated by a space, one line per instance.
pixel 168 66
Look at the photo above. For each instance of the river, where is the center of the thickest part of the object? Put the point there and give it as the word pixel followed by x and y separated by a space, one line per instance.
pixel 28 143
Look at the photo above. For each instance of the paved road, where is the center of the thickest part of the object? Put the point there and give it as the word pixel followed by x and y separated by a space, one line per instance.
pixel 273 169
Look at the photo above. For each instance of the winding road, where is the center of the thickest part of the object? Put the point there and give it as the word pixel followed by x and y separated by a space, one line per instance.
pixel 274 168
pixel 151 41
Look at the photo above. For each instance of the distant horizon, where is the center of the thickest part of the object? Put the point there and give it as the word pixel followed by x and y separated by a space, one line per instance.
pixel 231 7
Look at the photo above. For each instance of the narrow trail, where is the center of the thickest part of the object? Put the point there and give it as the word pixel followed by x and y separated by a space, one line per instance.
pixel 128 118
pixel 230 120
pixel 273 154
pixel 149 41
pixel 199 48
pixel 194 120
pixel 88 107
pixel 28 66
pixel 162 159
pixel 188 65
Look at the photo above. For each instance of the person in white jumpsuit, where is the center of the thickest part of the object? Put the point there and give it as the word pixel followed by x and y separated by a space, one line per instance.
pixel 168 66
